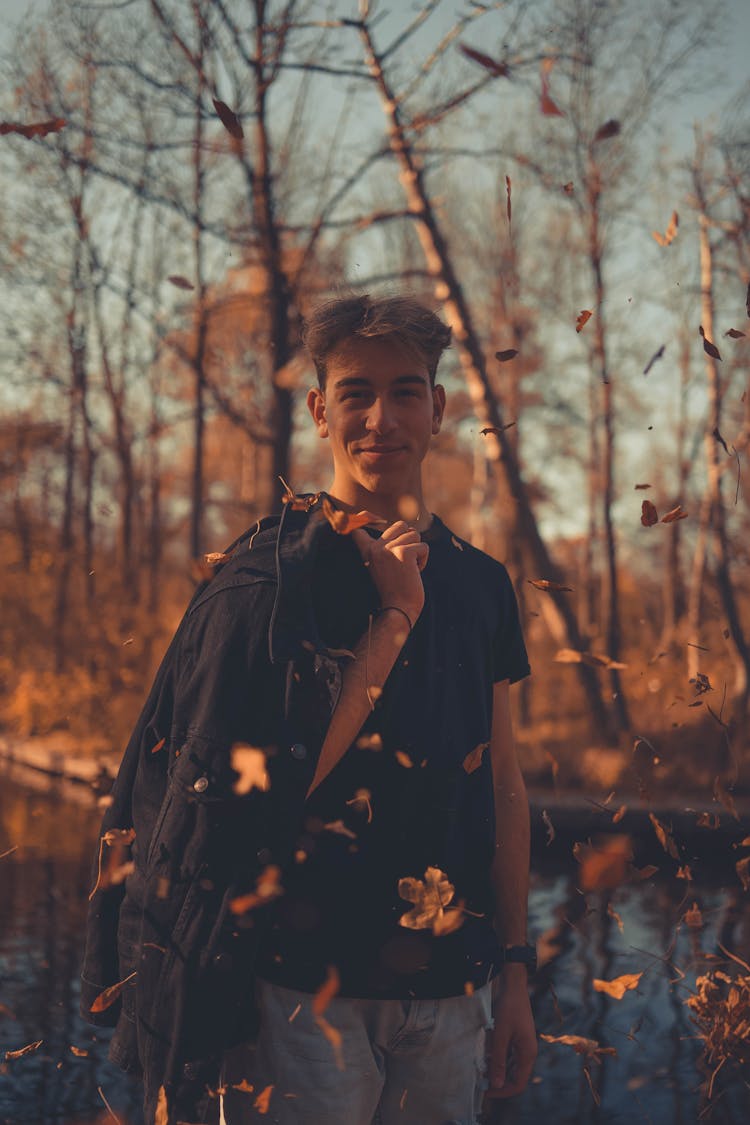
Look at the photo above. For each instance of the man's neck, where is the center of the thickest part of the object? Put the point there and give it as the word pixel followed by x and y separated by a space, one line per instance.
pixel 410 508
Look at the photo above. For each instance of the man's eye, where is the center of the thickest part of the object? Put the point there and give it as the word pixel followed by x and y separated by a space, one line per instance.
pixel 412 394
pixel 352 394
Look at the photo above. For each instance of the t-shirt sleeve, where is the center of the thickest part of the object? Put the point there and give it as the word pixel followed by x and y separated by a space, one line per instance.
pixel 509 658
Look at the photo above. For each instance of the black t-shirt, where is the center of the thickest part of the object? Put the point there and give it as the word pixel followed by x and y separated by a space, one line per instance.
pixel 402 800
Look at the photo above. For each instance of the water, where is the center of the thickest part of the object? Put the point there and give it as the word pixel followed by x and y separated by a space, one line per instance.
pixel 654 1078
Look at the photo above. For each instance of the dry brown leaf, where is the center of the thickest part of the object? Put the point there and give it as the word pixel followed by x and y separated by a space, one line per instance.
pixel 677 513
pixel 473 759
pixel 656 356
pixel 216 558
pixel 107 998
pixel 79 1052
pixel 671 232
pixel 603 865
pixel 496 429
pixel 708 347
pixel 609 129
pixel 504 356
pixel 589 1048
pixel 430 896
pixel 734 333
pixel 582 319
pixel 21 1051
pixel 619 986
pixel 664 836
pixel 268 887
pixel 640 486
pixel 229 119
pixel 263 1100
pixel 497 69
pixel 325 994
pixel 38 129
pixel 298 503
pixel 244 1086
pixel 249 762
pixel 549 586
pixel 649 514
pixel 693 917
pixel 617 817
pixel 180 282
pixel 160 744
pixel 344 523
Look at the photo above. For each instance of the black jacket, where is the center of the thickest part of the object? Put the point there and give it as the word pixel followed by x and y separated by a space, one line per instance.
pixel 245 665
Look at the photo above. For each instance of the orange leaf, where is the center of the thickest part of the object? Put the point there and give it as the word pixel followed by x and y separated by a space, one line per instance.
pixel 250 763
pixel 79 1052
pixel 619 986
pixel 346 522
pixel 473 759
pixel 263 1100
pixel 589 1048
pixel 664 836
pixel 404 760
pixel 267 887
pixel 670 233
pixel 334 1037
pixel 229 119
pixel 675 514
pixel 583 317
pixel 157 748
pixel 649 514
pixel 604 864
pixel 548 585
pixel 161 1115
pixel 38 129
pixel 429 896
pixel 27 1050
pixel 326 992
pixel 107 998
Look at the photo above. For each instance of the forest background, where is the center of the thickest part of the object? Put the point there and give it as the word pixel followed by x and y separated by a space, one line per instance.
pixel 567 182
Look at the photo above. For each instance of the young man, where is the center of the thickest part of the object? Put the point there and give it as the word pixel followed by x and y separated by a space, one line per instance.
pixel 367 886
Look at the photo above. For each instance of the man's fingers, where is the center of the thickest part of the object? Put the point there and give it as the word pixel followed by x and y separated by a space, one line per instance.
pixel 394 530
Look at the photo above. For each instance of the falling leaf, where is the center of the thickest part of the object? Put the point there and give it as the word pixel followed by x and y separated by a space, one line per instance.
pixel 693 917
pixel 298 503
pixel 496 429
pixel 657 355
pixel 229 119
pixel 429 896
pixel 38 129
pixel 509 353
pixel 549 826
pixel 670 233
pixel 734 333
pixel 664 836
pixel 708 820
pixel 498 69
pixel 372 741
pixel 649 514
pixel 159 745
pixel 180 282
pixel 548 585
pixel 583 316
pixel 609 129
pixel 547 106
pixel 603 865
pixel 684 873
pixel 267 887
pixel 473 759
pixel 250 763
pixel 404 760
pixel 27 1050
pixel 708 347
pixel 79 1052
pixel 617 817
pixel 675 514
pixel 594 659
pixel 244 1086
pixel 569 188
pixel 589 1048
pixel 340 829
pixel 612 913
pixel 507 192
pixel 619 986
pixel 641 486
pixel 742 867
pixel 325 994
pixel 725 797
pixel 716 434
pixel 345 522
pixel 216 558
pixel 263 1100
pixel 107 998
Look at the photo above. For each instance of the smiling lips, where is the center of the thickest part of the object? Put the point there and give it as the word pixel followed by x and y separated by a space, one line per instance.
pixel 381 450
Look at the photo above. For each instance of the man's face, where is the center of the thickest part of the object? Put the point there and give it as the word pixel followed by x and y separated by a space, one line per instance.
pixel 379 412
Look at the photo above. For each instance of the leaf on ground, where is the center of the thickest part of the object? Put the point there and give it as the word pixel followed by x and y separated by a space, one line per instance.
pixel 589 1048
pixel 473 759
pixel 708 347
pixel 249 763
pixel 609 129
pixel 504 356
pixel 664 836
pixel 671 232
pixel 180 282
pixel 656 356
pixel 549 586
pixel 603 865
pixel 21 1051
pixel 674 514
pixel 107 998
pixel 583 317
pixel 37 129
pixel 429 896
pixel 649 514
pixel 229 119
pixel 549 826
pixel 497 69
pixel 619 986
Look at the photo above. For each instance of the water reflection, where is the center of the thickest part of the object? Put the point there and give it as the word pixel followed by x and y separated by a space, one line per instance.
pixel 653 1078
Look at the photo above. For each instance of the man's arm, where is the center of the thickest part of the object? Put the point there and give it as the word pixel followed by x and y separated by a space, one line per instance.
pixel 513 1045
pixel 395 561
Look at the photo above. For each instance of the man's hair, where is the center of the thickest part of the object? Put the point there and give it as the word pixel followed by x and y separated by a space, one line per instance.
pixel 402 319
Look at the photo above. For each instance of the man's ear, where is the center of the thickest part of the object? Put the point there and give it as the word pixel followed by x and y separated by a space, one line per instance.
pixel 438 407
pixel 316 404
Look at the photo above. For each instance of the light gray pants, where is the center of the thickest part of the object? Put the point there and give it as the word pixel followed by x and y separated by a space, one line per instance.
pixel 362 1062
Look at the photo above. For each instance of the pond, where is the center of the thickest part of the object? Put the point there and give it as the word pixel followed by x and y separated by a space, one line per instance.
pixel 638 927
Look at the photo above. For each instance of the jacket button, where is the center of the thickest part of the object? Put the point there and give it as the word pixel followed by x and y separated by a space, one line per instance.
pixel 299 751
pixel 200 785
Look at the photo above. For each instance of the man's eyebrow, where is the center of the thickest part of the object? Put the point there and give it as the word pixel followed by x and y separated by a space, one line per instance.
pixel 359 381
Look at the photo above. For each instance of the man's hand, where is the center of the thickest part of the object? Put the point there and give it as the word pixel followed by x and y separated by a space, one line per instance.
pixel 513 1044
pixel 395 561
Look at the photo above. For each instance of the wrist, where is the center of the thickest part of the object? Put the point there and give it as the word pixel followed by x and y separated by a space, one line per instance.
pixel 407 614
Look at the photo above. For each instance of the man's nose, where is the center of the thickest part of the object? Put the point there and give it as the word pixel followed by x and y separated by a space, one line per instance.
pixel 380 418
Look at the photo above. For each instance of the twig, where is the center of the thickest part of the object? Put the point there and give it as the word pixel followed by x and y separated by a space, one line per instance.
pixel 109 1107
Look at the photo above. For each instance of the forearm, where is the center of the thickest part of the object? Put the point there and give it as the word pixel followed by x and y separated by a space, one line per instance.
pixel 374 656
pixel 510 868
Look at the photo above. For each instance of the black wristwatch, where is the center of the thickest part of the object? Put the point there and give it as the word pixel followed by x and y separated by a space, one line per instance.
pixel 519 954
